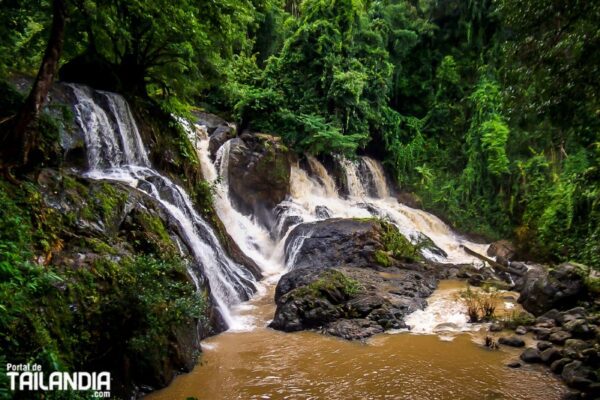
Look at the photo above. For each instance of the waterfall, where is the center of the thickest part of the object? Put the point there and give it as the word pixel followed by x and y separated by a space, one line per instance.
pixel 369 196
pixel 355 185
pixel 116 152
pixel 313 190
pixel 326 180
pixel 377 177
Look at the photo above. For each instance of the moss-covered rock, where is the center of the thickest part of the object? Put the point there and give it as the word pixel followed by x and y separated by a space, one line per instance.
pixel 361 242
pixel 350 278
pixel 90 272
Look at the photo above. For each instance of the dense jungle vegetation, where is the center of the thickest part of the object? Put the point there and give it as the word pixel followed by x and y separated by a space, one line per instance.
pixel 487 109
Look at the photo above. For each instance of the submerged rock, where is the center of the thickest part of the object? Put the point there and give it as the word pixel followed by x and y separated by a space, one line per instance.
pixel 353 329
pixel 512 341
pixel 496 327
pixel 521 330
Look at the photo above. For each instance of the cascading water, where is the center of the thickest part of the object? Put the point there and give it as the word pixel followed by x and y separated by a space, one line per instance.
pixel 116 152
pixel 326 180
pixel 353 179
pixel 377 176
pixel 308 193
pixel 314 196
pixel 263 363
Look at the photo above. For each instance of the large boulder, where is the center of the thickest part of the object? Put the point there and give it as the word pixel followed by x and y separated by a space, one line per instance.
pixel 352 242
pixel 258 174
pixel 218 138
pixel 346 282
pixel 544 289
pixel 210 121
pixel 350 302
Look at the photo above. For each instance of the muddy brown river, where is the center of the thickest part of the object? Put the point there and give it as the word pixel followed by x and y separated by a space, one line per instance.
pixel 267 364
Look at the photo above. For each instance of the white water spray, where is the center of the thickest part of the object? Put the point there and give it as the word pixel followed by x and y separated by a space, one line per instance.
pixel 116 152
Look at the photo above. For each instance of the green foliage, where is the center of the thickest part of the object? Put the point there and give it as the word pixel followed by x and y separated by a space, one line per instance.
pixel 481 304
pixel 396 244
pixel 382 258
pixel 23 27
pixel 320 137
pixel 108 307
pixel 205 193
pixel 487 110
pixel 518 318
pixel 330 280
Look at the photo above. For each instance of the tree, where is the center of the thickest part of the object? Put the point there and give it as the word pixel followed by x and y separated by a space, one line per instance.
pixel 165 47
pixel 23 137
pixel 551 67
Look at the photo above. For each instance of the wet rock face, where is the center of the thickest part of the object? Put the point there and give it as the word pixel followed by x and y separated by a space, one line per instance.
pixel 338 286
pixel 503 250
pixel 210 121
pixel 543 290
pixel 218 138
pixel 112 221
pixel 335 242
pixel 568 345
pixel 259 175
pixel 349 302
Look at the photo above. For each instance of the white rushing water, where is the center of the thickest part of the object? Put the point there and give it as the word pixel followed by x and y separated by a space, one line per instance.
pixel 116 152
pixel 309 195
pixel 314 196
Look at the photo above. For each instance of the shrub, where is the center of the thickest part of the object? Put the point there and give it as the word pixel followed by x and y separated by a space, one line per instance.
pixel 481 305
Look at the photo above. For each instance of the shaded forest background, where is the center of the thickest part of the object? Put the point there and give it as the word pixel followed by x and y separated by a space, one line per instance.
pixel 487 110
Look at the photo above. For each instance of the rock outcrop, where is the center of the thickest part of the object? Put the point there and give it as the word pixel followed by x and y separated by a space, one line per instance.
pixel 346 281
pixel 102 228
pixel 568 345
pixel 258 174
pixel 503 250
pixel 336 242
pixel 543 289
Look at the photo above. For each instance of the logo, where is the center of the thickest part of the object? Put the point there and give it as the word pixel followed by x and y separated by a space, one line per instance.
pixel 30 377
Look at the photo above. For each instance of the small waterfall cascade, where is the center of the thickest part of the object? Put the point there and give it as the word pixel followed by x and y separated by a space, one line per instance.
pixel 369 196
pixel 377 177
pixel 116 152
pixel 326 180
pixel 355 186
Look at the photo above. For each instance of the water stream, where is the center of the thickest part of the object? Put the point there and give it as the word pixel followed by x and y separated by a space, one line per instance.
pixel 250 361
pixel 260 363
pixel 268 364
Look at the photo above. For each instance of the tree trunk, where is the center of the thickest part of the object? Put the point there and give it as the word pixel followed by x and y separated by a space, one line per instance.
pixel 24 137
